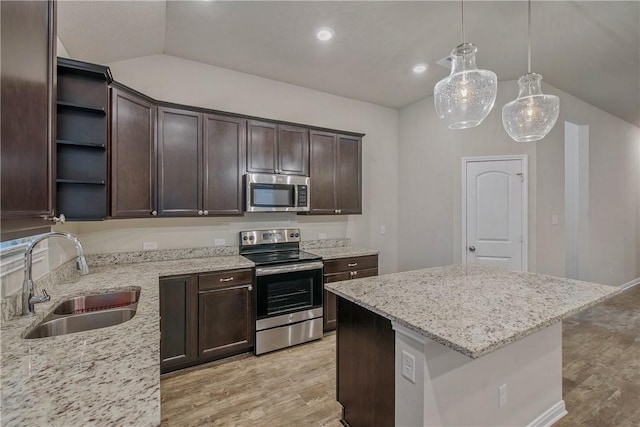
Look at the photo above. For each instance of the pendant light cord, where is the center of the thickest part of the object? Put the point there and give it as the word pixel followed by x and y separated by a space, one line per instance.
pixel 462 9
pixel 529 42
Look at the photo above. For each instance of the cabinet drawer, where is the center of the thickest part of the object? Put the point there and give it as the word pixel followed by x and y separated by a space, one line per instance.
pixel 223 279
pixel 357 274
pixel 350 264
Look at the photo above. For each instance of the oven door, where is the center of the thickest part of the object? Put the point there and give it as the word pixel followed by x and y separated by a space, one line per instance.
pixel 286 289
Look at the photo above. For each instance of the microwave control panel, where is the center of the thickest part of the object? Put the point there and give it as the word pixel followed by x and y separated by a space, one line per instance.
pixel 302 196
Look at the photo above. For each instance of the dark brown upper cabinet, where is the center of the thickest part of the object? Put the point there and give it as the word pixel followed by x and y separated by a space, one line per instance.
pixel 277 148
pixel 199 163
pixel 27 98
pixel 336 173
pixel 179 172
pixel 133 154
pixel 222 154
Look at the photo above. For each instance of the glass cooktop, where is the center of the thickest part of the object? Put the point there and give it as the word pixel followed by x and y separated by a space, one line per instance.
pixel 281 257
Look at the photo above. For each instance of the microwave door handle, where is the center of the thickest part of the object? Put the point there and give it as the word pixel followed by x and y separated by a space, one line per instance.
pixel 295 196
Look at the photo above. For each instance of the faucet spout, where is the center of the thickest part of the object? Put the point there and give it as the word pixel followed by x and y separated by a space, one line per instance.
pixel 29 299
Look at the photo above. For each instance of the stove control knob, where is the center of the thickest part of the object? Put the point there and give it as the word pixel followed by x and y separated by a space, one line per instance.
pixel 291 235
pixel 245 238
pixel 251 237
pixel 297 234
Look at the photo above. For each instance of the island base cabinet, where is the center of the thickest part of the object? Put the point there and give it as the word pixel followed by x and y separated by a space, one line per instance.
pixel 365 366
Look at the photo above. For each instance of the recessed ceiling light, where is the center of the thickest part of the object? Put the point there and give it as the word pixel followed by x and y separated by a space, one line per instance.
pixel 420 68
pixel 325 34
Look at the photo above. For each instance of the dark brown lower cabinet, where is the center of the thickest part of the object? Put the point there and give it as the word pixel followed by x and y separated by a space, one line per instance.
pixel 205 317
pixel 344 269
pixel 365 366
pixel 225 325
pixel 178 321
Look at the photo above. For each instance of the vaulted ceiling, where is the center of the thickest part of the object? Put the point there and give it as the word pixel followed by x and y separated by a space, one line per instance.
pixel 589 49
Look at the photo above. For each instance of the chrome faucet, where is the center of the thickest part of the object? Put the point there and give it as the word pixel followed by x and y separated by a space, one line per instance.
pixel 29 300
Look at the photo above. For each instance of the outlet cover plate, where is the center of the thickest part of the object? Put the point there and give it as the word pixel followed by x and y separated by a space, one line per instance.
pixel 409 366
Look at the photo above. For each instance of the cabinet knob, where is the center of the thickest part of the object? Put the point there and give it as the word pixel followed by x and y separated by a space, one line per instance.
pixel 472 248
pixel 355 273
pixel 59 219
pixel 206 212
pixel 249 288
pixel 335 210
pixel 200 213
pixel 154 213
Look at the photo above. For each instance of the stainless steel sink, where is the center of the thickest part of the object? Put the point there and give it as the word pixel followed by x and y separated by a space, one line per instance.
pixel 88 312
pixel 88 303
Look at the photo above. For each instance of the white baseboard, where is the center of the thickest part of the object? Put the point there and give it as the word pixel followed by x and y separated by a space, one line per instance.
pixel 630 284
pixel 550 416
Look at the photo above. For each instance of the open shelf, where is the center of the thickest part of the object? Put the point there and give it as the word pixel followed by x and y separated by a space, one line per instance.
pixel 81 107
pixel 79 143
pixel 82 140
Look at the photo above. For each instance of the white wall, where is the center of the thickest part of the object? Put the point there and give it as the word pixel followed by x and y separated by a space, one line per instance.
pixel 430 175
pixel 614 186
pixel 429 155
pixel 181 81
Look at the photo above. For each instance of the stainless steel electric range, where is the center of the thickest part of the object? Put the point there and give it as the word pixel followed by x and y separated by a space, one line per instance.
pixel 288 292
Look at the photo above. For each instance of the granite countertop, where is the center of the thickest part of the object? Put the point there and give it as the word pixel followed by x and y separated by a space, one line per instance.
pixel 108 376
pixel 341 252
pixel 473 310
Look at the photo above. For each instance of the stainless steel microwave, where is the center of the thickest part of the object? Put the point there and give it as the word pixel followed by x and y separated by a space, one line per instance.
pixel 276 193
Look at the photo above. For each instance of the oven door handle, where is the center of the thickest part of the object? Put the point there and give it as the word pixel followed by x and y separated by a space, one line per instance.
pixel 267 271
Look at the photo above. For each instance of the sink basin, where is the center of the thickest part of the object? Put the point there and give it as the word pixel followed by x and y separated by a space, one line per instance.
pixel 96 302
pixel 88 312
pixel 81 322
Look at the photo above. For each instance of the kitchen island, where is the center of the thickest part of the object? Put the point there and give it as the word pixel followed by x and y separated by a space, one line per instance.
pixel 455 345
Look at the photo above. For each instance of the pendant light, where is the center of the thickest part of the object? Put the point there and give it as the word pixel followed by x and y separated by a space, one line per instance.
pixel 532 115
pixel 465 98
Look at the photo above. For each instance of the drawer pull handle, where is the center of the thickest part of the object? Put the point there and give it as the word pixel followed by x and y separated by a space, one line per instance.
pixel 353 264
pixel 227 279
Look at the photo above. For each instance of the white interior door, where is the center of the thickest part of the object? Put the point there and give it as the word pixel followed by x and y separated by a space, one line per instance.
pixel 494 212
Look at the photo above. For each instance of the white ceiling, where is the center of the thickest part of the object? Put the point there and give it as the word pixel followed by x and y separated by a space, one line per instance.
pixel 587 48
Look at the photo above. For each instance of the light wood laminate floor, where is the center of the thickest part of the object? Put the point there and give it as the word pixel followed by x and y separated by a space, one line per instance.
pixel 296 386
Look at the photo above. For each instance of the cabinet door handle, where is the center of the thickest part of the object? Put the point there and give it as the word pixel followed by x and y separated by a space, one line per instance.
pixel 206 212
pixel 226 279
pixel 154 213
pixel 200 212
pixel 353 264
pixel 355 273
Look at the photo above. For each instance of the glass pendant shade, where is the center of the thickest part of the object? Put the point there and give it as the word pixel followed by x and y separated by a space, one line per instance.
pixel 465 98
pixel 532 115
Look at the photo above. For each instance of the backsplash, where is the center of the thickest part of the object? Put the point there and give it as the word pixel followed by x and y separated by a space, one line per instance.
pixel 11 305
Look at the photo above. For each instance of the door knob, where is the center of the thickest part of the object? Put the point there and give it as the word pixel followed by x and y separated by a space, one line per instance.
pixel 472 248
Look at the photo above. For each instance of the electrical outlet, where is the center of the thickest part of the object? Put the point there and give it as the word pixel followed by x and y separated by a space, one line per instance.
pixel 554 219
pixel 322 235
pixel 219 242
pixel 147 246
pixel 502 395
pixel 409 366
pixel 383 229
